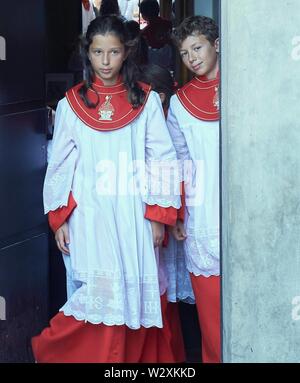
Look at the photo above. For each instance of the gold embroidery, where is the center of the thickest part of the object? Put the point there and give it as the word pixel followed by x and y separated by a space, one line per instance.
pixel 216 98
pixel 106 110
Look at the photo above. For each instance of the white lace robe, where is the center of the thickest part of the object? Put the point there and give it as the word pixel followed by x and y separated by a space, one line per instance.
pixel 111 248
pixel 197 146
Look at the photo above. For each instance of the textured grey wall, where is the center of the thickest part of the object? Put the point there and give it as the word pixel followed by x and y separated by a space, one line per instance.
pixel 261 180
pixel 204 8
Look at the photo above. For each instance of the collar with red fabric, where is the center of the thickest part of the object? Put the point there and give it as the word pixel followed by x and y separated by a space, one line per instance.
pixel 113 110
pixel 200 97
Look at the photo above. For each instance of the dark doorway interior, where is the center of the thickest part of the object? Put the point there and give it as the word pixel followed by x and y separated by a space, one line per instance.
pixel 23 228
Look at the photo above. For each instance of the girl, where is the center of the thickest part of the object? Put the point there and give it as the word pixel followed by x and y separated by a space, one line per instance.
pixel 105 204
pixel 173 269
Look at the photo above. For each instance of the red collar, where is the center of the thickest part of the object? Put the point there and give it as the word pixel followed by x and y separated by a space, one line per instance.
pixel 113 110
pixel 200 97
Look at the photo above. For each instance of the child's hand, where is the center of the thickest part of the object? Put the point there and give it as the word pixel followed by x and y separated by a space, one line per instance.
pixel 62 238
pixel 158 232
pixel 178 231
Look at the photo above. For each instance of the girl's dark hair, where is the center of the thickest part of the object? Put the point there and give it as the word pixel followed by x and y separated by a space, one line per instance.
pixel 109 7
pixel 194 25
pixel 110 25
pixel 160 80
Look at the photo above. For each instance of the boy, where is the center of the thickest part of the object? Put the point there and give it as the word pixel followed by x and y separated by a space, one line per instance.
pixel 193 122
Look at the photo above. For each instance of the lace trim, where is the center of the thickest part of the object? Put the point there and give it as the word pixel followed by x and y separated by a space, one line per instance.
pixel 107 297
pixel 179 282
pixel 151 200
pixel 204 241
pixel 112 321
pixel 57 186
pixel 163 185
pixel 202 251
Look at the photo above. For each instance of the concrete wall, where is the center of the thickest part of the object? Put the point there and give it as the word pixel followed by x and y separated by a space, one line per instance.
pixel 204 7
pixel 209 8
pixel 261 180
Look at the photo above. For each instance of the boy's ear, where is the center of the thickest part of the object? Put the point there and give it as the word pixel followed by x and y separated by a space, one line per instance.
pixel 217 45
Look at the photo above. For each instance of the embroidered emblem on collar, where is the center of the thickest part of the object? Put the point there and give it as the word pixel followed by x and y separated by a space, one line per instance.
pixel 216 98
pixel 106 110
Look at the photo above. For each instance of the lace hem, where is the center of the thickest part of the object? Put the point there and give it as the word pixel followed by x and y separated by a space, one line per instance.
pixel 58 184
pixel 56 205
pixel 163 185
pixel 162 202
pixel 111 298
pixel 111 321
pixel 182 298
pixel 205 274
pixel 204 242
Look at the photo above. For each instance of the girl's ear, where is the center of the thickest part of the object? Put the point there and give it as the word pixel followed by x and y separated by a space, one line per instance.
pixel 217 45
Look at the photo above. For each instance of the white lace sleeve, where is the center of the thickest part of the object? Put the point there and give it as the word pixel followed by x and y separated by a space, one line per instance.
pixel 161 161
pixel 178 139
pixel 60 171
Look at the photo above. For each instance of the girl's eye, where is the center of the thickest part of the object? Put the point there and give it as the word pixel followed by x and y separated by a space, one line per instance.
pixel 197 49
pixel 97 52
pixel 183 54
pixel 115 52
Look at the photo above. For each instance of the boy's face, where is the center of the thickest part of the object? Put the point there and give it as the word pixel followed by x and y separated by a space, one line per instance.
pixel 200 56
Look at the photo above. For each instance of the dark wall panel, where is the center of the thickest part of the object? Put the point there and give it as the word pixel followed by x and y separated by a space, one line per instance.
pixel 24 260
pixel 22 24
pixel 22 168
pixel 26 296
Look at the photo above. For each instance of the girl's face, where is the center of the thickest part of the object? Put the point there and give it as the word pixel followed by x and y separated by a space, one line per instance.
pixel 200 56
pixel 107 54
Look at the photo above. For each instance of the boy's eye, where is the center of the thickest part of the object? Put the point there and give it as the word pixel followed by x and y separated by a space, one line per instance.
pixel 198 48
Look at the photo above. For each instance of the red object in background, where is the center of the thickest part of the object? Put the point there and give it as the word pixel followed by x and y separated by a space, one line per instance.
pixel 86 4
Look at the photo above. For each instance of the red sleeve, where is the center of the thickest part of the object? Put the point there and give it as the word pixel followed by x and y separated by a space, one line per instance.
pixel 57 217
pixel 181 210
pixel 166 215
